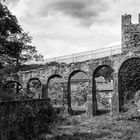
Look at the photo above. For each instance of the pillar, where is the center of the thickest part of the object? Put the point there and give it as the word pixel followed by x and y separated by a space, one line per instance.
pixel 94 100
pixel 70 111
pixel 115 97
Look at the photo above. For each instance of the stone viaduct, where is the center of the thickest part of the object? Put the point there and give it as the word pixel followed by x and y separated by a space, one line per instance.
pixel 125 66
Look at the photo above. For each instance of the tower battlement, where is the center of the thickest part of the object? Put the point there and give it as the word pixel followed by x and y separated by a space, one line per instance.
pixel 127 19
pixel 130 33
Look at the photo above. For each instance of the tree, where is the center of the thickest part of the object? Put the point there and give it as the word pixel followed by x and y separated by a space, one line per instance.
pixel 25 52
pixel 106 72
pixel 14 43
pixel 8 26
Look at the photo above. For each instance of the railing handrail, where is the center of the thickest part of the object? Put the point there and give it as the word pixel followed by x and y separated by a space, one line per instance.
pixel 101 49
pixel 76 55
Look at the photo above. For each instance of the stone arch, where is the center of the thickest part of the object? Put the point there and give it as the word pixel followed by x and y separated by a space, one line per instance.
pixel 6 89
pixel 94 98
pixel 128 80
pixel 53 76
pixel 48 80
pixel 9 82
pixel 10 77
pixel 31 79
pixel 70 111
pixel 40 85
pixel 119 60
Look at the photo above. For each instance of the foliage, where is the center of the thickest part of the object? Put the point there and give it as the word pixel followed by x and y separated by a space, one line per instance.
pixel 79 96
pixel 27 122
pixel 34 88
pixel 104 101
pixel 25 67
pixel 8 26
pixel 97 127
pixel 14 43
pixel 129 78
pixel 25 51
pixel 106 72
pixel 53 63
pixel 13 89
pixel 56 93
pixel 131 113
pixel 131 108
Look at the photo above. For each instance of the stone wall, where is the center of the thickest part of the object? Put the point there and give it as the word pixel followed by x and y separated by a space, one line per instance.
pixel 130 34
pixel 130 49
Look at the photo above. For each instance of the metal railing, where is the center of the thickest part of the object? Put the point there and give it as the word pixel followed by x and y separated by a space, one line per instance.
pixel 88 55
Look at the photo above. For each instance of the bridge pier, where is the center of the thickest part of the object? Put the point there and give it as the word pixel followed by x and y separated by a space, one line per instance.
pixel 70 111
pixel 115 98
pixel 94 100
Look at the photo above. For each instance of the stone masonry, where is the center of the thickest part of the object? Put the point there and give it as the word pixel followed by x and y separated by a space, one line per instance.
pixel 130 50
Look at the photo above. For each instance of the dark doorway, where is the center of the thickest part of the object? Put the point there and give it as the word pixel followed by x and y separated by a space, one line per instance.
pixel 128 81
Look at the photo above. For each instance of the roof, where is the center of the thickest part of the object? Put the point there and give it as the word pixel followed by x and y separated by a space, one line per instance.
pixel 105 87
pixel 80 76
pixel 58 80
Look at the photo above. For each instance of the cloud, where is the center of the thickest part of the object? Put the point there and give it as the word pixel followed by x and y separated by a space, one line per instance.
pixel 11 3
pixel 86 11
pixel 54 24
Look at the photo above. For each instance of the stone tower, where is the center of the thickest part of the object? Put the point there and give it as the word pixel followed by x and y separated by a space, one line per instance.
pixel 130 34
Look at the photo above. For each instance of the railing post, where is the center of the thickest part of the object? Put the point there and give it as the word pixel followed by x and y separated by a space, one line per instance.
pixel 91 54
pixel 111 52
pixel 73 58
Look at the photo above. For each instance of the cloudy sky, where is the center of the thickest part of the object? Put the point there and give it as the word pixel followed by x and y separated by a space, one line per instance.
pixel 61 27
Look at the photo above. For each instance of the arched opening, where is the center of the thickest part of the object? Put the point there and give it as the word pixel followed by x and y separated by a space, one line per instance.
pixel 34 86
pixel 9 77
pixel 12 90
pixel 55 90
pixel 102 89
pixel 77 89
pixel 128 81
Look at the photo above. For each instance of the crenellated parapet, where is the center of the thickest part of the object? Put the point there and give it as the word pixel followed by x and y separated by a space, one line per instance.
pixel 130 34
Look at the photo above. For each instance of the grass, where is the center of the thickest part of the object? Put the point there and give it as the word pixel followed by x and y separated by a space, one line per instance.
pixel 102 127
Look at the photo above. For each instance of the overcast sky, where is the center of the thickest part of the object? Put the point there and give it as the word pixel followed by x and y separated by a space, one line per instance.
pixel 61 27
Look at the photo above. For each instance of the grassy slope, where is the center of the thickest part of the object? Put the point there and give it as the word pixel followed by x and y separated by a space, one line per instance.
pixel 94 128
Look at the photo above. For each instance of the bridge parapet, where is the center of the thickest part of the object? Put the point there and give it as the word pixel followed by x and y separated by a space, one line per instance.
pixel 89 55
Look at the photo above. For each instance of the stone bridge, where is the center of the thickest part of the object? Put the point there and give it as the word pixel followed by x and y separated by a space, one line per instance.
pixel 124 60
